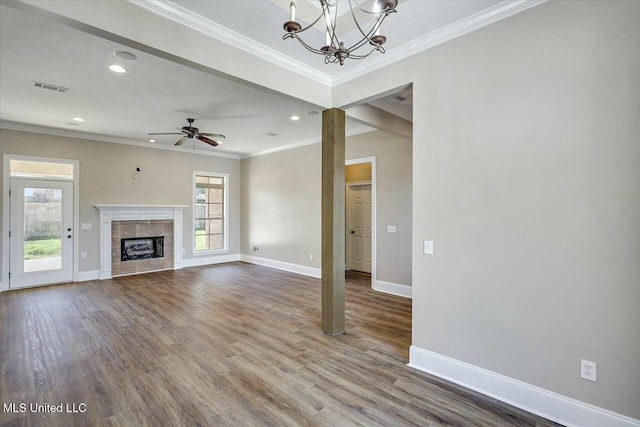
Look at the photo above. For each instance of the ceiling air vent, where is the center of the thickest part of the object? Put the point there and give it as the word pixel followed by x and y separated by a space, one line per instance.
pixel 50 87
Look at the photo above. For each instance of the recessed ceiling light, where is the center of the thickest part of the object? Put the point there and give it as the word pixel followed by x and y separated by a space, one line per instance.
pixel 127 56
pixel 117 69
pixel 294 118
pixel 78 119
pixel 152 140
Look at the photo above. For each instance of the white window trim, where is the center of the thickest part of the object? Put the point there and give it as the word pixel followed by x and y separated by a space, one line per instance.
pixel 225 213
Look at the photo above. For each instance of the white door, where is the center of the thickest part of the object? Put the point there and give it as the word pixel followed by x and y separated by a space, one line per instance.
pixel 41 232
pixel 361 228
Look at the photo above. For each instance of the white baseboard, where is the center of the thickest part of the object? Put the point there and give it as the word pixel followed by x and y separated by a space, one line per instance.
pixel 392 288
pixel 208 260
pixel 536 400
pixel 83 276
pixel 280 265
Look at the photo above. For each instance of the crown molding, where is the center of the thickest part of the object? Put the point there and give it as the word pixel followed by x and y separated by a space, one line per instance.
pixel 174 12
pixel 454 30
pixel 24 127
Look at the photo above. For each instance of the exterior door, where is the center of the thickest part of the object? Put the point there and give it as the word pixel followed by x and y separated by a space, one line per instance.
pixel 361 228
pixel 41 239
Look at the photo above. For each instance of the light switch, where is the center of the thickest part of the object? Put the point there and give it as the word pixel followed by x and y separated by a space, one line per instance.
pixel 391 228
pixel 86 226
pixel 428 247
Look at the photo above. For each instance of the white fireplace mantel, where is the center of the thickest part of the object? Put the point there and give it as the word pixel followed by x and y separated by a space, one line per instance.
pixel 109 213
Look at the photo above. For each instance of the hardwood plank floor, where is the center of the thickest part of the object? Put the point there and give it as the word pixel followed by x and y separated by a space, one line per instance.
pixel 231 344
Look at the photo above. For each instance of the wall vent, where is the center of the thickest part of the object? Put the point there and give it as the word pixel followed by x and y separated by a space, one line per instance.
pixel 49 86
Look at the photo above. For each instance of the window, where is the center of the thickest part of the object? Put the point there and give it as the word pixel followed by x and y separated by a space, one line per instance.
pixel 40 169
pixel 210 212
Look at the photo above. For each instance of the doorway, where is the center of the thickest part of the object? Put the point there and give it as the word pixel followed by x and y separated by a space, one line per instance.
pixel 360 224
pixel 41 221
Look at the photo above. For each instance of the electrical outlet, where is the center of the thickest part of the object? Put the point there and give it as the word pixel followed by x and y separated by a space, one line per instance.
pixel 428 247
pixel 588 370
pixel 310 257
pixel 86 226
pixel 391 228
pixel 83 255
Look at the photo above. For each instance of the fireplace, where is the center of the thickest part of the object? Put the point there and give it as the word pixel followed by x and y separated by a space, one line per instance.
pixel 145 223
pixel 141 248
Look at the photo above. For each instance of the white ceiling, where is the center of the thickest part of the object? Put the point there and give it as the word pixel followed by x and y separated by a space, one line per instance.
pixel 157 95
pixel 262 21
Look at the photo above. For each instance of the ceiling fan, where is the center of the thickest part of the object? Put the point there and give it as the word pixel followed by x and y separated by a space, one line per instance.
pixel 190 132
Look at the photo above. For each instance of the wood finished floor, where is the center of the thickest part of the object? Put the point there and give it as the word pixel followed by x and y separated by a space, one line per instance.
pixel 232 344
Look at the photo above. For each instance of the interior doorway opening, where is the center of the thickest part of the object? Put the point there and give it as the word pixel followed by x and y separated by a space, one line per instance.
pixel 360 221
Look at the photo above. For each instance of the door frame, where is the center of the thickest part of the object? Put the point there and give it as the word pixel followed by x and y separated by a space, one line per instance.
pixel 374 209
pixel 349 218
pixel 6 185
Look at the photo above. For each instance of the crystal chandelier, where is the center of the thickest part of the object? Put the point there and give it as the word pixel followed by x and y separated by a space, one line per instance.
pixel 335 50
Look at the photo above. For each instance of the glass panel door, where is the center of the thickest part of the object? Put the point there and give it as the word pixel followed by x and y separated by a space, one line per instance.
pixel 41 232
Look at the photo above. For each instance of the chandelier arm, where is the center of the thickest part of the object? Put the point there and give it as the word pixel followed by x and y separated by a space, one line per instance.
pixel 367 36
pixel 363 9
pixel 331 24
pixel 307 27
pixel 309 48
pixel 379 48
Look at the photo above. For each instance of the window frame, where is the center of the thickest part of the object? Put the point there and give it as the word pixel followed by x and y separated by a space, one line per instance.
pixel 225 213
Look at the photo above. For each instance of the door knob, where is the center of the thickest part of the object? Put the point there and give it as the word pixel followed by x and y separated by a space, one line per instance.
pixel 352 232
pixel 68 236
pixel 68 229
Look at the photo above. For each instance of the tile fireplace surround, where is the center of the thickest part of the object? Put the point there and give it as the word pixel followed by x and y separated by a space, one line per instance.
pixel 123 221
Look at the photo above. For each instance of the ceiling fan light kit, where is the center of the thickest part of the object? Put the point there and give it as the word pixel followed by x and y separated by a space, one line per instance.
pixel 191 132
pixel 335 50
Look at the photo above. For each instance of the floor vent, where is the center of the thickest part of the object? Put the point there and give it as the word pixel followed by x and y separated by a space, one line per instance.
pixel 50 87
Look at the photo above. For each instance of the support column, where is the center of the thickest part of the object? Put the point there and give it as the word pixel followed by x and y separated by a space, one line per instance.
pixel 333 218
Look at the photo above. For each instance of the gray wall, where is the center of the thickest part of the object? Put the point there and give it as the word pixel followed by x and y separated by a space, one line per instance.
pixel 393 164
pixel 526 175
pixel 106 177
pixel 281 203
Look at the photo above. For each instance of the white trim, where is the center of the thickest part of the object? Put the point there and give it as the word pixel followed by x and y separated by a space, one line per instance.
pixel 392 288
pixel 225 214
pixel 442 35
pixel 280 265
pixel 45 130
pixel 196 262
pixel 553 406
pixel 374 210
pixel 110 213
pixel 6 225
pixel 349 218
pixel 89 275
pixel 177 13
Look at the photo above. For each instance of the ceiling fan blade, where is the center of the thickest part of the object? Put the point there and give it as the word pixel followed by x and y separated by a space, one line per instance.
pixel 174 133
pixel 217 135
pixel 208 141
pixel 181 140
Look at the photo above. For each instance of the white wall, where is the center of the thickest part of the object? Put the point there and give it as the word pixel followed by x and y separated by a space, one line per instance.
pixel 526 175
pixel 106 177
pixel 281 203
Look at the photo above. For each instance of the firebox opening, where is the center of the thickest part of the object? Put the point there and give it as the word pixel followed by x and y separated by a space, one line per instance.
pixel 141 248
